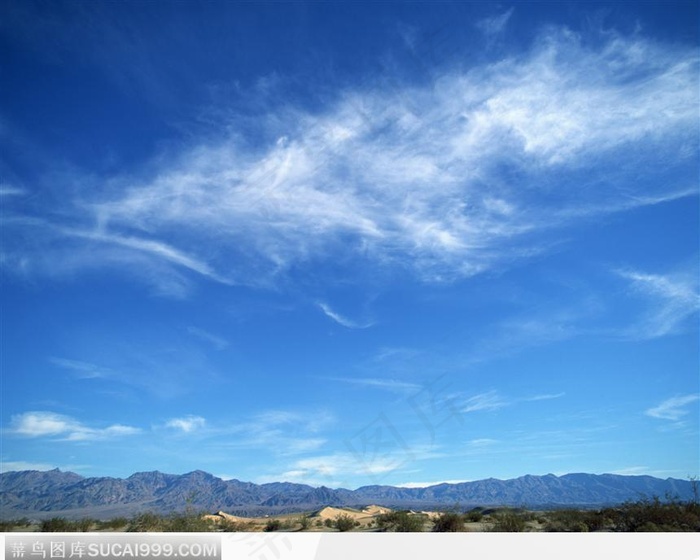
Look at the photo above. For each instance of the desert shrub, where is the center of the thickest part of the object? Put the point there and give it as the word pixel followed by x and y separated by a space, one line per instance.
pixel 328 523
pixel 576 521
pixel 273 525
pixel 62 525
pixel 85 524
pixel 145 522
pixel 59 525
pixel 449 522
pixel 568 521
pixel 187 522
pixel 344 522
pixel 474 515
pixel 655 515
pixel 643 515
pixel 304 522
pixel 401 522
pixel 116 523
pixel 508 522
pixel 9 524
pixel 236 526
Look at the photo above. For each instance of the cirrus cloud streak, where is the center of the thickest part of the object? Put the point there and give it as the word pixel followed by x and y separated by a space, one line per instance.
pixel 446 179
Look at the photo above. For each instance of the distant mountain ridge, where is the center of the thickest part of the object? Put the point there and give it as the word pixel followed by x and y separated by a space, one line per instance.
pixel 40 493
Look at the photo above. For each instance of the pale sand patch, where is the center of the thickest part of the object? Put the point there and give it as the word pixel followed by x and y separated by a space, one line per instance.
pixel 332 513
pixel 376 510
pixel 223 516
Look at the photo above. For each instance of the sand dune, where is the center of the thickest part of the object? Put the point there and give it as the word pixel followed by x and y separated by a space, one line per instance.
pixel 223 516
pixel 376 510
pixel 332 513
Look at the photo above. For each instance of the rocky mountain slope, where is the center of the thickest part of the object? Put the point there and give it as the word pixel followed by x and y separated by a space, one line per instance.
pixel 64 493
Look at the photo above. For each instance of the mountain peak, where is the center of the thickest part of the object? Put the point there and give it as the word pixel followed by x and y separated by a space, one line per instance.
pixel 55 491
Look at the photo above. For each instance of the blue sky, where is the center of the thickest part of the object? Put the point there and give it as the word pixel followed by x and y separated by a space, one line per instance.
pixel 350 244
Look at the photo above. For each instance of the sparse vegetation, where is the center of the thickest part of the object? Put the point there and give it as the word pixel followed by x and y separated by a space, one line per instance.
pixel 651 515
pixel 475 515
pixel 273 525
pixel 236 526
pixel 62 525
pixel 401 522
pixel 113 524
pixel 508 522
pixel 173 523
pixel 344 523
pixel 188 523
pixel 11 524
pixel 146 522
pixel 449 522
pixel 643 515
pixel 573 521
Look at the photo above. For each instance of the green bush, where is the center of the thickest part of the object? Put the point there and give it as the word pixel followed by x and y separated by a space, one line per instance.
pixel 643 515
pixel 273 525
pixel 401 522
pixel 569 521
pixel 474 516
pixel 10 524
pixel 60 524
pixel 654 515
pixel 449 522
pixel 344 522
pixel 508 522
pixel 57 525
pixel 188 522
pixel 147 522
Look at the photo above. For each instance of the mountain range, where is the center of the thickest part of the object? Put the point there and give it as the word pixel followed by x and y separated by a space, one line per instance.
pixel 42 494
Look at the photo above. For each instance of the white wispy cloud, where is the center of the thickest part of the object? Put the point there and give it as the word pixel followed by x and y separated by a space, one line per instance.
pixel 8 466
pixel 84 433
pixel 187 424
pixel 427 484
pixel 35 424
pixel 284 432
pixel 335 469
pixel 218 342
pixel 496 24
pixel 674 408
pixel 389 384
pixel 482 442
pixel 490 400
pixel 673 298
pixel 9 190
pixel 632 471
pixel 545 397
pixel 410 177
pixel 152 248
pixel 84 370
pixel 340 319
pixel 49 424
